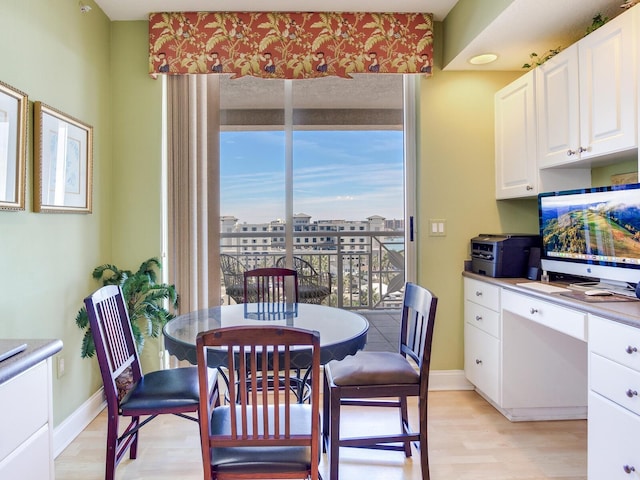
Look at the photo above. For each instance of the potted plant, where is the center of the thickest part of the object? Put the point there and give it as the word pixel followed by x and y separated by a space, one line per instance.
pixel 145 301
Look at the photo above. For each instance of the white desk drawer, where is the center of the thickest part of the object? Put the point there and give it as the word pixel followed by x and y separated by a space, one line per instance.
pixel 615 382
pixel 32 460
pixel 25 407
pixel 616 341
pixel 613 441
pixel 482 361
pixel 561 319
pixel 482 293
pixel 484 318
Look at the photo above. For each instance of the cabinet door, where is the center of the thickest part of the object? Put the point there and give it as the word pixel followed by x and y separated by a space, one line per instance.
pixel 482 361
pixel 557 108
pixel 607 89
pixel 515 139
pixel 613 438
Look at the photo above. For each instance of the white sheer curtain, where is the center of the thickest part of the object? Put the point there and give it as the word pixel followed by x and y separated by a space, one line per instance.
pixel 193 185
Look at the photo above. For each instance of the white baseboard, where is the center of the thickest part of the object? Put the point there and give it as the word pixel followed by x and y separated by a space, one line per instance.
pixel 448 380
pixel 71 427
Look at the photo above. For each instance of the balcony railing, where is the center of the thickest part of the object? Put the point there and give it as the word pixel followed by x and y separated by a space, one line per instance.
pixel 366 268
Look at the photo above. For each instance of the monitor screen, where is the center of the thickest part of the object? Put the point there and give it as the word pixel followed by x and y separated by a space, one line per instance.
pixel 592 233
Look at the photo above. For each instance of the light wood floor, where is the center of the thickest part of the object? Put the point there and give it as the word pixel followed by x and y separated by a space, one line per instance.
pixel 468 440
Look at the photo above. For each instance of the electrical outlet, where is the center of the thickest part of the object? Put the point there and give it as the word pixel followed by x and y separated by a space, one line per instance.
pixel 60 367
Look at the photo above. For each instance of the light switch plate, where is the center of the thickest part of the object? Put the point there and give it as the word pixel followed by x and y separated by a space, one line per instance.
pixel 437 227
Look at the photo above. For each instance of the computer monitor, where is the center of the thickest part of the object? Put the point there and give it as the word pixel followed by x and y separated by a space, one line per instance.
pixel 593 233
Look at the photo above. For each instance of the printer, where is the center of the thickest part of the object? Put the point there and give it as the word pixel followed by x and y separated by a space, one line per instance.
pixel 504 255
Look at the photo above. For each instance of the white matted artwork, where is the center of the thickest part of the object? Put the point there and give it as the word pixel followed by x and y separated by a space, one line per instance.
pixel 13 136
pixel 64 163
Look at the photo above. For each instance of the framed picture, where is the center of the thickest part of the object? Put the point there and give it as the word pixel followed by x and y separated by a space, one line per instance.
pixel 13 147
pixel 63 162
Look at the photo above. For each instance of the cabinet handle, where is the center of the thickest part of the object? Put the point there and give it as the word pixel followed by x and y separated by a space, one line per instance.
pixel 571 152
pixel 529 187
pixel 478 293
pixel 632 393
pixel 478 361
pixel 533 311
pixel 582 149
pixel 628 468
pixel 478 318
pixel 631 349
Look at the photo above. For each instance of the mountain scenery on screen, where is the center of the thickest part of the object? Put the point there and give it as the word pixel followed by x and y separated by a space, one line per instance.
pixel 601 228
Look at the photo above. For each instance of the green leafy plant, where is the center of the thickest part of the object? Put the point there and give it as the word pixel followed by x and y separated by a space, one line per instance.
pixel 596 23
pixel 536 60
pixel 145 301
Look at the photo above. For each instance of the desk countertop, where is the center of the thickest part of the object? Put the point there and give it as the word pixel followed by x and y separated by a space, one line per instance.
pixel 627 312
pixel 37 350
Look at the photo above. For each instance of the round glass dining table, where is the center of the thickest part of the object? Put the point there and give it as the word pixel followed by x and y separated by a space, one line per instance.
pixel 342 332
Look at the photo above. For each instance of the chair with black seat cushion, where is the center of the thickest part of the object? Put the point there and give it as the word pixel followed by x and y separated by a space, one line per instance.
pixel 165 391
pixel 313 287
pixel 271 285
pixel 267 434
pixel 385 379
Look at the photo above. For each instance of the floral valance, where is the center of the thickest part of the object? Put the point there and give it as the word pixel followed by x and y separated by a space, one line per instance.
pixel 290 45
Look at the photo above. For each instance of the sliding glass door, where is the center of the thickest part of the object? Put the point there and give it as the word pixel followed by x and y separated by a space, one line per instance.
pixel 312 176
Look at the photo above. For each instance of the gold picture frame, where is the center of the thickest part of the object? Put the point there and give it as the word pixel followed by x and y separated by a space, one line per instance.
pixel 63 171
pixel 14 106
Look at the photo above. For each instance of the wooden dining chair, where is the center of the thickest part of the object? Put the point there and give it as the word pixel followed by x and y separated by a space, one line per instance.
pixel 165 391
pixel 267 434
pixel 271 285
pixel 385 379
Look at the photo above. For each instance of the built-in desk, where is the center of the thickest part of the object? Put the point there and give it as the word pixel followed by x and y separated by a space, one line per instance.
pixel 552 356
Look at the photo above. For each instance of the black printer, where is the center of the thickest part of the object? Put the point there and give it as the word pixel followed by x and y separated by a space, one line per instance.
pixel 504 254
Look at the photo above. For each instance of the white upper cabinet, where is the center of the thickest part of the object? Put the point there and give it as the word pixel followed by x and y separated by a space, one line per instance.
pixel 577 110
pixel 557 98
pixel 607 61
pixel 585 98
pixel 515 136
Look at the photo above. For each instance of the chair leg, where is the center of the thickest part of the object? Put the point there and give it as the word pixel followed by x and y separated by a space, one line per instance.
pixel 325 415
pixel 424 449
pixel 133 450
pixel 112 447
pixel 404 419
pixel 334 432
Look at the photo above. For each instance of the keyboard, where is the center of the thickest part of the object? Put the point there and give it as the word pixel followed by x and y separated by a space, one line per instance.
pixel 543 287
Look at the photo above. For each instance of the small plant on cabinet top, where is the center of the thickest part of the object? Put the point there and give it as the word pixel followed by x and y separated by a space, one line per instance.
pixel 145 301
pixel 596 23
pixel 537 60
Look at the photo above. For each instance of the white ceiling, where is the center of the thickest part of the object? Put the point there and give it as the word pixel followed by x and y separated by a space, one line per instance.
pixel 525 26
pixel 140 9
pixel 533 26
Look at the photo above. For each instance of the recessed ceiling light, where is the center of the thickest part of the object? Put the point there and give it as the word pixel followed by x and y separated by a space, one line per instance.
pixel 483 59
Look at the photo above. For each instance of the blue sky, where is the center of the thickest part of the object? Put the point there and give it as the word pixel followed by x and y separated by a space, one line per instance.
pixel 346 175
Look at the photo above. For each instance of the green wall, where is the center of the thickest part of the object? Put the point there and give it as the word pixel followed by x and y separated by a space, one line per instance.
pixel 95 70
pixel 59 56
pixel 456 182
pixel 137 156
